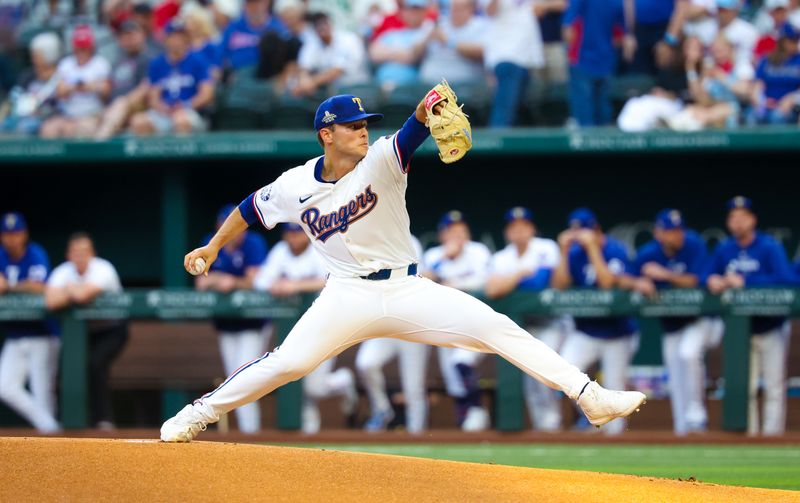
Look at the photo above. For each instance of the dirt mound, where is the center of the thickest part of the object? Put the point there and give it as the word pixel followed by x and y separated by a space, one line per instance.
pixel 34 469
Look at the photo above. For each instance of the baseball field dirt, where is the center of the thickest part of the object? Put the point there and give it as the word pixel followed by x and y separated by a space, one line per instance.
pixel 55 469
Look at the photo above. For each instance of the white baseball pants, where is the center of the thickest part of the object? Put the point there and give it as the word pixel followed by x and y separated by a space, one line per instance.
pixel 768 354
pixel 411 308
pixel 614 355
pixel 35 360
pixel 544 404
pixel 683 352
pixel 412 358
pixel 236 349
pixel 449 359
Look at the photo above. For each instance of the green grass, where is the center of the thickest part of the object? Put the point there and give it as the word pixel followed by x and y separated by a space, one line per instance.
pixel 775 467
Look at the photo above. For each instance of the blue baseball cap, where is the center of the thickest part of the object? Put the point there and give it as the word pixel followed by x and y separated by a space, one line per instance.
pixel 291 227
pixel 518 213
pixel 669 219
pixel 415 3
pixel 740 202
pixel 450 218
pixel 582 217
pixel 175 26
pixel 342 108
pixel 224 212
pixel 13 222
pixel 729 4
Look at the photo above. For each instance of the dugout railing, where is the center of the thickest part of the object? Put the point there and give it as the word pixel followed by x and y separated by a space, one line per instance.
pixel 735 307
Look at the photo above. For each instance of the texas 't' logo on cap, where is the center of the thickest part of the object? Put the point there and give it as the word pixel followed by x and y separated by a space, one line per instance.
pixel 11 221
pixel 675 217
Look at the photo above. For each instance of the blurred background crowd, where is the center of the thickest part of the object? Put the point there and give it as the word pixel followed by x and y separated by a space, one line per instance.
pixel 99 68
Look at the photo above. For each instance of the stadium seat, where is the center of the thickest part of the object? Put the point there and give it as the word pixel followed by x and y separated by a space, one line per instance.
pixel 245 104
pixel 553 109
pixel 477 100
pixel 369 93
pixel 625 87
pixel 400 102
pixel 294 113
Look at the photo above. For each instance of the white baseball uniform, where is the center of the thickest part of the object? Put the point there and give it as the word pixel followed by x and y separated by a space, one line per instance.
pixel 30 352
pixel 323 382
pixel 360 227
pixel 413 358
pixel 544 407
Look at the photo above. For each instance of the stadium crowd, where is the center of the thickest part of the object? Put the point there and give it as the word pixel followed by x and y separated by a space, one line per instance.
pixel 583 256
pixel 97 68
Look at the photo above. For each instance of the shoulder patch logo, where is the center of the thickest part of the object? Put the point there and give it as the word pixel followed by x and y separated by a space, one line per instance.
pixel 265 193
pixel 328 117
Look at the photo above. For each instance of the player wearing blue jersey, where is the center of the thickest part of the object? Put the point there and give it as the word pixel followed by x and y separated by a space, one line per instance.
pixel 240 340
pixel 750 258
pixel 351 204
pixel 180 87
pixel 30 351
pixel 241 38
pixel 676 258
pixel 590 259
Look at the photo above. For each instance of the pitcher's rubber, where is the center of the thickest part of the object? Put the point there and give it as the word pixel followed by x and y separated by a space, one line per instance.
pixel 56 469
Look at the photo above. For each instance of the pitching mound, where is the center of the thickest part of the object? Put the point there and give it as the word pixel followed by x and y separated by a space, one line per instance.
pixel 33 469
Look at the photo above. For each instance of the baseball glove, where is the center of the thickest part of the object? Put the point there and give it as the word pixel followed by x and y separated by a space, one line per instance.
pixel 450 127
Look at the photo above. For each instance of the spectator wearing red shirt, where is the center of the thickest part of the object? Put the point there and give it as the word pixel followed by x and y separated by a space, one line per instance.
pixel 395 20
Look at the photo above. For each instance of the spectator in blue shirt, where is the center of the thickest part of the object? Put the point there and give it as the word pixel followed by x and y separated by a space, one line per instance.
pixel 652 26
pixel 776 93
pixel 241 38
pixel 676 258
pixel 240 340
pixel 180 87
pixel 589 27
pixel 590 259
pixel 749 259
pixel 30 351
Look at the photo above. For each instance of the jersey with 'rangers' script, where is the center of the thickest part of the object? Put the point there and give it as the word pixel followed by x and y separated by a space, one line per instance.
pixel 358 224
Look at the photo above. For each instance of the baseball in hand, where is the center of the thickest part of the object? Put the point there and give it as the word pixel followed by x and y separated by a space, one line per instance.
pixel 199 266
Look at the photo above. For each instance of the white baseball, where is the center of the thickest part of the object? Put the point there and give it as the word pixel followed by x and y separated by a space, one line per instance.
pixel 199 266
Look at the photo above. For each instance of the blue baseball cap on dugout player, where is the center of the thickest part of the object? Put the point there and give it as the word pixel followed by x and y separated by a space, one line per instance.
pixel 669 219
pixel 342 108
pixel 740 202
pixel 518 213
pixel 224 212
pixel 13 222
pixel 583 218
pixel 450 218
pixel 788 31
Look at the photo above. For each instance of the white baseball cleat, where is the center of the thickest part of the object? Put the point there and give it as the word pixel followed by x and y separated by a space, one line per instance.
pixel 476 419
pixel 602 405
pixel 184 426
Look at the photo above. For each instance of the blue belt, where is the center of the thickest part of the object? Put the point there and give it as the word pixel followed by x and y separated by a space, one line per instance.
pixel 411 270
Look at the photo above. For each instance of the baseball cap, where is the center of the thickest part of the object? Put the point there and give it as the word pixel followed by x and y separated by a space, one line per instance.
pixel 788 31
pixel 175 26
pixel 740 202
pixel 12 222
pixel 450 218
pixel 729 4
pixel 83 37
pixel 415 3
pixel 224 212
pixel 669 219
pixel 290 227
pixel 518 213
pixel 129 25
pixel 342 108
pixel 582 217
pixel 776 4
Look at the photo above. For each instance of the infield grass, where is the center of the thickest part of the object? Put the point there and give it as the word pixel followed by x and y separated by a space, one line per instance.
pixel 776 467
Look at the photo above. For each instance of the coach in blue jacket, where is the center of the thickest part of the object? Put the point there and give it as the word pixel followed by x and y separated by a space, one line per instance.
pixel 753 259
